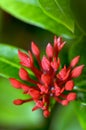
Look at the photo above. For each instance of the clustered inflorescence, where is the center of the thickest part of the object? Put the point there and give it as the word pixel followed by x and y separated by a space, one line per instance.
pixel 52 82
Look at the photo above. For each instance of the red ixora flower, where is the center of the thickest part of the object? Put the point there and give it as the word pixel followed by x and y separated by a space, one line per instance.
pixel 51 82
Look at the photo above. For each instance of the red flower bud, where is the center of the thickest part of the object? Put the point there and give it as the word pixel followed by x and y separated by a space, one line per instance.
pixel 63 74
pixel 58 43
pixel 61 46
pixel 64 102
pixel 46 79
pixel 18 102
pixel 49 50
pixel 76 72
pixel 25 87
pixel 75 61
pixel 46 113
pixel 25 59
pixel 71 96
pixel 23 74
pixel 55 64
pixel 69 85
pixel 43 88
pixel 45 63
pixel 34 93
pixel 40 104
pixel 15 83
pixel 49 82
pixel 57 90
pixel 35 49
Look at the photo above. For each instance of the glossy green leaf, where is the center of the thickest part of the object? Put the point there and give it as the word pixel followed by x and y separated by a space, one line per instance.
pixel 9 61
pixel 30 12
pixel 60 11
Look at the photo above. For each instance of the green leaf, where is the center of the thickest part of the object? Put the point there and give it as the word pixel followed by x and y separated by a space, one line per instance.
pixel 80 111
pixel 9 61
pixel 79 48
pixel 64 55
pixel 30 12
pixel 60 11
pixel 78 8
pixel 64 118
pixel 80 89
pixel 17 116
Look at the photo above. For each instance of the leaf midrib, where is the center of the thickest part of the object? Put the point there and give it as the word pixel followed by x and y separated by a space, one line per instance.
pixel 9 62
pixel 58 5
pixel 55 19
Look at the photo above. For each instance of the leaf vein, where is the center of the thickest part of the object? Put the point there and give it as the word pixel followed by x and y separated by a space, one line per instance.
pixel 9 62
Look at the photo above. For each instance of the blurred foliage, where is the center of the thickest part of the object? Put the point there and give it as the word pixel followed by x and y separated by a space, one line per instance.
pixel 78 8
pixel 35 15
pixel 11 115
pixel 80 110
pixel 39 20
pixel 66 119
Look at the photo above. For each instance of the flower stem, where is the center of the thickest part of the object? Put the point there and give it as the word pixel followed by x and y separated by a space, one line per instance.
pixel 79 89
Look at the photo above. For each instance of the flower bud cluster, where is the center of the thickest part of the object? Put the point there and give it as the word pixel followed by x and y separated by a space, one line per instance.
pixel 51 83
